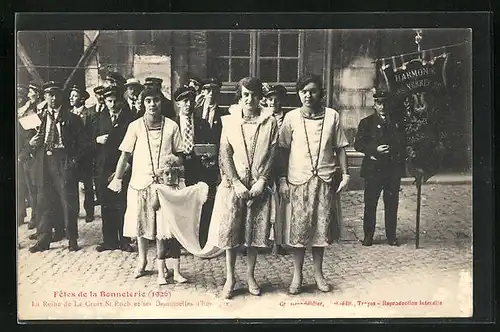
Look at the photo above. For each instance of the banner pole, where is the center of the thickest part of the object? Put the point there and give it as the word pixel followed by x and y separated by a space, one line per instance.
pixel 419 200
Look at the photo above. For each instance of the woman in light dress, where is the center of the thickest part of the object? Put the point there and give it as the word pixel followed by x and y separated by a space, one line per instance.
pixel 243 207
pixel 150 140
pixel 312 146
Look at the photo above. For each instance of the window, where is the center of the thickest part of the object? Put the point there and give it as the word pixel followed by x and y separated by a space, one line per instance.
pixel 230 55
pixel 274 56
pixel 278 56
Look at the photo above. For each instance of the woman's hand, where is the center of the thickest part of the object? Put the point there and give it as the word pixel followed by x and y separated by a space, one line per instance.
pixel 115 185
pixel 240 190
pixel 284 191
pixel 343 184
pixel 258 188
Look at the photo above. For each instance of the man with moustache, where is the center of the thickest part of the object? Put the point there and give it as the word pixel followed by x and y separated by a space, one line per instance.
pixel 110 127
pixel 77 97
pixel 195 130
pixel 99 106
pixel 382 140
pixel 59 147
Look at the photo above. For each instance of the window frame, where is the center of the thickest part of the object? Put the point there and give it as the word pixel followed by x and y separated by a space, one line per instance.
pixel 254 56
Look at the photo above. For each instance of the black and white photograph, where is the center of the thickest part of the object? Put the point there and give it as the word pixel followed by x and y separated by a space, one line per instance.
pixel 244 173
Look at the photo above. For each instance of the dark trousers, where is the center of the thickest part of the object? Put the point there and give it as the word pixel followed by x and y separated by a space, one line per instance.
pixel 169 248
pixel 113 206
pixel 390 184
pixel 57 199
pixel 88 188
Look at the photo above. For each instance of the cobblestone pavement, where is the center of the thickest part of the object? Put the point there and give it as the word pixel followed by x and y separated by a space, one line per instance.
pixel 366 280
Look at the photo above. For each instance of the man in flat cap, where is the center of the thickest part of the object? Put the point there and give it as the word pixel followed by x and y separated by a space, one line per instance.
pixel 382 140
pixel 133 89
pixel 274 97
pixel 77 98
pixel 59 147
pixel 110 127
pixel 98 93
pixel 210 110
pixel 197 167
pixel 167 106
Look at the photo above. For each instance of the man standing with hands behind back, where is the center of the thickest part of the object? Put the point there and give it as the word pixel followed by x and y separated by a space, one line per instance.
pixel 381 138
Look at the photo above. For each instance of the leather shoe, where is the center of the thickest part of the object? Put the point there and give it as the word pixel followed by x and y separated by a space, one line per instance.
pixel 367 242
pixel 73 246
pixel 127 247
pixel 37 248
pixel 33 236
pixel 31 225
pixel 103 247
pixel 89 218
pixel 393 242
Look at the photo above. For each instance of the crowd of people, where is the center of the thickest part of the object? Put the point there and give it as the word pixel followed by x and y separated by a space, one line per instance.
pixel 257 175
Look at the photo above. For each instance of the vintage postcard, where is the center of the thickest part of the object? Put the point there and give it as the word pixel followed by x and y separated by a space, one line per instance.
pixel 286 173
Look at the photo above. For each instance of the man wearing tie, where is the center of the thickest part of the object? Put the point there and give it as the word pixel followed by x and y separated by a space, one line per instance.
pixel 134 88
pixel 77 97
pixel 210 110
pixel 59 147
pixel 381 138
pixel 110 127
pixel 99 107
pixel 195 130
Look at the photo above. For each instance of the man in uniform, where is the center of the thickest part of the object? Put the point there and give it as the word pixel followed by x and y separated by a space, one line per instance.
pixel 110 127
pixel 77 97
pixel 382 140
pixel 99 107
pixel 59 146
pixel 210 110
pixel 167 107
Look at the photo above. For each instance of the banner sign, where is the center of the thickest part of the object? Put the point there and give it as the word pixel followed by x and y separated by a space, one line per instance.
pixel 420 98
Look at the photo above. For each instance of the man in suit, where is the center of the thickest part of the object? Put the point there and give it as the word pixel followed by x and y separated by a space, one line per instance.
pixel 77 97
pixel 133 89
pixel 59 147
pixel 22 154
pixel 109 128
pixel 167 107
pixel 197 167
pixel 209 110
pixel 382 140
